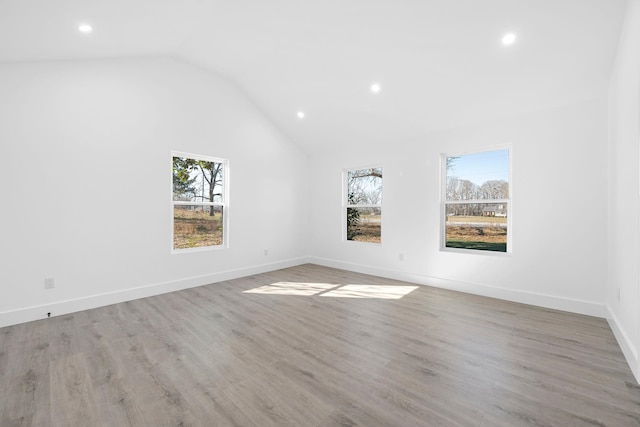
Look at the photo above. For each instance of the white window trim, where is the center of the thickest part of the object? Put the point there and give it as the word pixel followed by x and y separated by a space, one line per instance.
pixel 345 204
pixel 225 203
pixel 444 203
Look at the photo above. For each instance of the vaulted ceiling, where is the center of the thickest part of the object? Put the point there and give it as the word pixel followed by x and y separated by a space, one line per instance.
pixel 440 63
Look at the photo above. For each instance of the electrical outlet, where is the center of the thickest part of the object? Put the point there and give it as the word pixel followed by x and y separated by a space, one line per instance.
pixel 49 283
pixel 266 252
pixel 618 294
pixel 401 257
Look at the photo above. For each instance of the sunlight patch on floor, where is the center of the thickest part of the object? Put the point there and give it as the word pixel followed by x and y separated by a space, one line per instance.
pixel 370 291
pixel 292 288
pixel 333 290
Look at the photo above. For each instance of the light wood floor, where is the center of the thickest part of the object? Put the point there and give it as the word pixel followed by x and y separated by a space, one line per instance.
pixel 218 356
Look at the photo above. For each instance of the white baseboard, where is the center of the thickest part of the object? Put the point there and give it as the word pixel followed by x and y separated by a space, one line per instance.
pixel 59 308
pixel 541 300
pixel 626 344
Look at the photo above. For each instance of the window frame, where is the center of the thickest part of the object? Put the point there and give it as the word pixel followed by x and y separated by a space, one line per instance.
pixel 224 203
pixel 444 202
pixel 346 205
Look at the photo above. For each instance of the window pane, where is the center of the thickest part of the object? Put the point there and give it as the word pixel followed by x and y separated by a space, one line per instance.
pixel 364 224
pixel 482 175
pixel 481 226
pixel 364 186
pixel 197 180
pixel 197 226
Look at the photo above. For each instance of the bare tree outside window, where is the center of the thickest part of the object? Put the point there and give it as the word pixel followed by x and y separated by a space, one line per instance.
pixel 198 202
pixel 364 205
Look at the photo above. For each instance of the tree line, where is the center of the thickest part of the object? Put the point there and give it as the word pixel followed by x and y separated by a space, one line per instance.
pixel 364 187
pixel 462 189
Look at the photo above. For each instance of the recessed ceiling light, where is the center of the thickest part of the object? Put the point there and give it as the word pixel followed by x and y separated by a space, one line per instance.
pixel 300 114
pixel 375 88
pixel 85 28
pixel 508 39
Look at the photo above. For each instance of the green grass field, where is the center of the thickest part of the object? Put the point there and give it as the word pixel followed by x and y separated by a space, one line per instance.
pixel 481 246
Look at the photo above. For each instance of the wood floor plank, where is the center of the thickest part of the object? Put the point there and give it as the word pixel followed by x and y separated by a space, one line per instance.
pixel 277 395
pixel 288 348
pixel 203 394
pixel 348 391
pixel 25 384
pixel 72 395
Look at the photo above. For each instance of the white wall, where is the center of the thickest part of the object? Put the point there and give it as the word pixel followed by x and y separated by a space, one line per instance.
pixel 624 188
pixel 86 151
pixel 559 214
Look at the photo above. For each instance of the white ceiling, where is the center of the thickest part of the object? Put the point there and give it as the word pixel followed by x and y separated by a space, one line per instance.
pixel 440 63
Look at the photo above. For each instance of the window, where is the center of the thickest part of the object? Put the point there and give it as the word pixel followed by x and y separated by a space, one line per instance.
pixel 199 202
pixel 476 209
pixel 363 205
